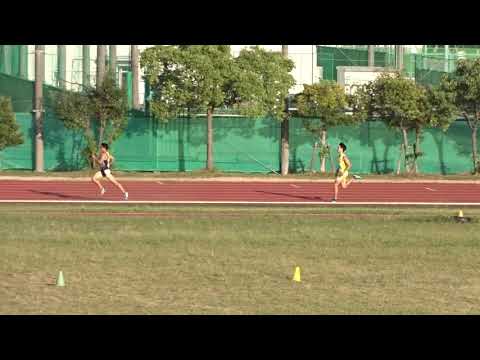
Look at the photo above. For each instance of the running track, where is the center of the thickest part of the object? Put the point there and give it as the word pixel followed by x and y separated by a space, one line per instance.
pixel 206 192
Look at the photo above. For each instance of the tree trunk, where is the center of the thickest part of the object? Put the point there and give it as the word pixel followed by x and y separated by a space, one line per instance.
pixel 474 149
pixel 405 147
pixel 38 109
pixel 324 158
pixel 418 134
pixel 285 146
pixel 100 136
pixel 399 162
pixel 285 152
pixel 210 139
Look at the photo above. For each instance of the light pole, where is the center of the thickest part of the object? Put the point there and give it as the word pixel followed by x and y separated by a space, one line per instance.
pixel 285 150
pixel 38 105
pixel 135 75
pixel 101 57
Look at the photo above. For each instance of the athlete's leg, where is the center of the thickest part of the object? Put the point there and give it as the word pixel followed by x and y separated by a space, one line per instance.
pixel 96 178
pixel 344 180
pixel 337 181
pixel 348 183
pixel 115 182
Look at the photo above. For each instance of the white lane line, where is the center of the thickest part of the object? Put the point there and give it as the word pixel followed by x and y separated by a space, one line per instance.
pixel 430 189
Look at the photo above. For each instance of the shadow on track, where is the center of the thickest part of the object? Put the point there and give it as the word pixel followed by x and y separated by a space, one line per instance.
pixel 313 198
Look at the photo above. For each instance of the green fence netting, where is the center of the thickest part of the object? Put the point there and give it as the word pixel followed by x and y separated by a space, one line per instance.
pixel 240 145
pixel 331 57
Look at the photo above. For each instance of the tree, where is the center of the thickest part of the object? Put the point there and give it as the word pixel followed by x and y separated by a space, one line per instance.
pixel 187 80
pixel 400 103
pixel 464 82
pixel 323 106
pixel 10 134
pixel 261 83
pixel 100 112
pixel 440 112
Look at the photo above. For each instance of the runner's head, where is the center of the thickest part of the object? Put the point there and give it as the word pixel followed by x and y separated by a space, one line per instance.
pixel 104 147
pixel 342 148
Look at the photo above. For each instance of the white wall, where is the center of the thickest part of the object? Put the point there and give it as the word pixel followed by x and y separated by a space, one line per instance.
pixel 305 61
pixel 303 56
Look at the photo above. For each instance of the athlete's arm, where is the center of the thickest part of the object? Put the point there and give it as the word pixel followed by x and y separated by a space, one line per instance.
pixel 94 157
pixel 347 161
pixel 97 160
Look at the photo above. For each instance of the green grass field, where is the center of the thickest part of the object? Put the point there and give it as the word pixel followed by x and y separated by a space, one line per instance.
pixel 237 260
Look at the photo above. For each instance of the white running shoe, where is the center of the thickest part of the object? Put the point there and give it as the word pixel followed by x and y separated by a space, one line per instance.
pixel 334 201
pixel 357 177
pixel 126 196
pixel 102 191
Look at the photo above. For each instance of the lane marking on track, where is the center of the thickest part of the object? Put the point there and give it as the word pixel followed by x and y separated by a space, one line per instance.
pixel 295 186
pixel 430 189
pixel 159 182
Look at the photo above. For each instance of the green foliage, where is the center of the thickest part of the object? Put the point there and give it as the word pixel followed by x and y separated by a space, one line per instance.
pixel 187 79
pixel 395 99
pixel 109 108
pixel 439 107
pixel 464 83
pixel 323 106
pixel 99 113
pixel 406 106
pixel 74 109
pixel 194 78
pixel 10 134
pixel 262 82
pixel 324 150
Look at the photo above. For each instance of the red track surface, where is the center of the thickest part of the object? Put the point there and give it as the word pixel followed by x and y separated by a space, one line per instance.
pixel 209 191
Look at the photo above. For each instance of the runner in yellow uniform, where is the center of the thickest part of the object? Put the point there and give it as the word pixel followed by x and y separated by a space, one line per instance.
pixel 344 165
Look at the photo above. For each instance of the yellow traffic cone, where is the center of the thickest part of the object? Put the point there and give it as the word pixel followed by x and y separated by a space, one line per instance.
pixel 60 280
pixel 460 214
pixel 296 275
